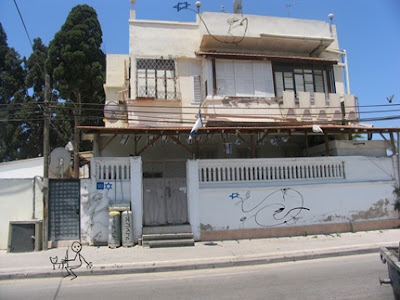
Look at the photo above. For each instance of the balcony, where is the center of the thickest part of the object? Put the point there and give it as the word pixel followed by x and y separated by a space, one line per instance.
pixel 319 107
pixel 272 34
pixel 154 113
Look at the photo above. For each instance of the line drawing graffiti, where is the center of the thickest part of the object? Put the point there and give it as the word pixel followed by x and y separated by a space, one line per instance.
pixel 71 264
pixel 95 209
pixel 284 205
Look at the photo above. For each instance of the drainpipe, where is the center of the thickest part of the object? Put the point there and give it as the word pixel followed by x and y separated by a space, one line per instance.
pixel 343 53
pixel 34 195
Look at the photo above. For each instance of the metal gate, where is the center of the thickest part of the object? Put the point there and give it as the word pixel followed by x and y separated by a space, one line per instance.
pixel 164 201
pixel 64 212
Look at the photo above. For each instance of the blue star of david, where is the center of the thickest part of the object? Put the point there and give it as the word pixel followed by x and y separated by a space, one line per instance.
pixel 108 186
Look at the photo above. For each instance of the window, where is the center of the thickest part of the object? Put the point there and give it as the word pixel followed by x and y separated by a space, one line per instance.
pixel 302 78
pixel 195 76
pixel 156 78
pixel 244 78
pixel 196 89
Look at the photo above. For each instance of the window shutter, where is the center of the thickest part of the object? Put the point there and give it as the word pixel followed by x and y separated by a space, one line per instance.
pixel 263 79
pixel 244 78
pixel 225 78
pixel 196 89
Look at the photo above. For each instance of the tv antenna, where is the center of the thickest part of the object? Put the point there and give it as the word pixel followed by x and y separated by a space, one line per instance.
pixel 289 5
pixel 237 7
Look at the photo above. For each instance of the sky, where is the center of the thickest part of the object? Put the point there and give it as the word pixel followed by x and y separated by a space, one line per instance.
pixel 368 30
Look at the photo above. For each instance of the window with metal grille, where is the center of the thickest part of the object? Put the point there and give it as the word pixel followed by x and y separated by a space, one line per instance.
pixel 156 78
pixel 302 78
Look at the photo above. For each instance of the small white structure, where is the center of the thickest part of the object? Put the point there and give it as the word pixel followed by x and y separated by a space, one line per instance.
pixel 21 196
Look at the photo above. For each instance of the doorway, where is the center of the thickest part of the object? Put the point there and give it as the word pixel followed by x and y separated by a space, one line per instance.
pixel 164 193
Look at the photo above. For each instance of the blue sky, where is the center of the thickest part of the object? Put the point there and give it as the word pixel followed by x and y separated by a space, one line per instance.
pixel 369 31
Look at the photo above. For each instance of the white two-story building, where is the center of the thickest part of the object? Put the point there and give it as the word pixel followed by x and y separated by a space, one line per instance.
pixel 274 155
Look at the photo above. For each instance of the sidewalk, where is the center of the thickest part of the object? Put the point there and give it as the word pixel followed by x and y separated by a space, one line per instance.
pixel 203 255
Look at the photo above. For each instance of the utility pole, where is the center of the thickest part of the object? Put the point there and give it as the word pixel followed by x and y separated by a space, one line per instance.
pixel 77 116
pixel 46 150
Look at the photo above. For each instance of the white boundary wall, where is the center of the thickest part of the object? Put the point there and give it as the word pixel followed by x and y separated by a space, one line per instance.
pixel 113 179
pixel 361 191
pixel 19 202
pixel 249 193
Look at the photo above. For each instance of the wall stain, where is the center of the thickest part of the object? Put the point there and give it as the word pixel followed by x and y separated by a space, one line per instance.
pixel 378 210
pixel 206 227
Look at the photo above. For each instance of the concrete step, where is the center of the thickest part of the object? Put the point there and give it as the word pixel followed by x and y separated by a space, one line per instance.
pixel 167 236
pixel 167 229
pixel 169 243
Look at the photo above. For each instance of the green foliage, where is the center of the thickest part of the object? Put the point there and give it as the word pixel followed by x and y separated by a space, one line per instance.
pixel 77 66
pixel 76 63
pixel 12 95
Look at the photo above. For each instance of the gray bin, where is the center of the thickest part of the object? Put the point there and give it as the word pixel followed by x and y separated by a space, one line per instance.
pixel 114 229
pixel 127 229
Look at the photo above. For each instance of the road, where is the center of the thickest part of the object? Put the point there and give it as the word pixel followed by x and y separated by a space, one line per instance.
pixel 350 277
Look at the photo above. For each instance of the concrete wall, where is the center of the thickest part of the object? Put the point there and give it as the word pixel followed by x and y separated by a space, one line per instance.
pixel 96 200
pixel 26 168
pixel 94 207
pixel 259 25
pixel 20 200
pixel 162 38
pixel 365 194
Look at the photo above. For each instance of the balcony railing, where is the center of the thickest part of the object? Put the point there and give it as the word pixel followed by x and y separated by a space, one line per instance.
pixel 270 170
pixel 303 107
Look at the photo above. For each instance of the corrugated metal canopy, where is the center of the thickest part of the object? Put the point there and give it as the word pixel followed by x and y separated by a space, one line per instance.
pixel 294 129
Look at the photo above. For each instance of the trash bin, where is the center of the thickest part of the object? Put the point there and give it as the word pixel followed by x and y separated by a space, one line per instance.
pixel 114 229
pixel 127 228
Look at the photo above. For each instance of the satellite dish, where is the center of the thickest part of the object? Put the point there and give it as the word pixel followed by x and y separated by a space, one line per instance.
pixel 237 7
pixel 59 162
pixel 113 112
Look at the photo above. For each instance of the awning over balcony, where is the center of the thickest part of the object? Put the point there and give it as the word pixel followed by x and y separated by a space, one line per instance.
pixel 278 58
pixel 173 133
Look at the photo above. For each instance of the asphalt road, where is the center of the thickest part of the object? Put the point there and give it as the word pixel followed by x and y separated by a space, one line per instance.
pixel 350 277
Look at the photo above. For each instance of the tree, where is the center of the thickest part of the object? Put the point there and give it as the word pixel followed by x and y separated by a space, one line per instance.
pixel 12 95
pixel 76 64
pixel 61 119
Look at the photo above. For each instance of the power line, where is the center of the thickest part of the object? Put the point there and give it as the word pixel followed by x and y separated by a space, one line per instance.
pixel 23 23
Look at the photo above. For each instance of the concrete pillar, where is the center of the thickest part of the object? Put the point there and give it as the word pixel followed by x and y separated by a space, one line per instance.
pixel 137 196
pixel 192 177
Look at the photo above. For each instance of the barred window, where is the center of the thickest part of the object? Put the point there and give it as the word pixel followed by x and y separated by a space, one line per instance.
pixel 156 78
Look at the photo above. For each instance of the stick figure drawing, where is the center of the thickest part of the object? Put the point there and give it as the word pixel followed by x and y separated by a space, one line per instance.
pixel 74 263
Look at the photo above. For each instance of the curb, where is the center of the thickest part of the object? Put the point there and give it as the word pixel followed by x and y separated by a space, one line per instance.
pixel 168 266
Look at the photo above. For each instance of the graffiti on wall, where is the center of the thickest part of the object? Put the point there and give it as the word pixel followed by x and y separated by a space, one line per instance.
pixel 95 209
pixel 281 207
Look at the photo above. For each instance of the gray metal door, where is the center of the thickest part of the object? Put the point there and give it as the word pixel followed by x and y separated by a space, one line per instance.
pixel 64 209
pixel 164 201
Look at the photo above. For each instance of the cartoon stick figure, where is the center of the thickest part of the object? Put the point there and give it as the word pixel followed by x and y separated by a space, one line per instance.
pixel 76 262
